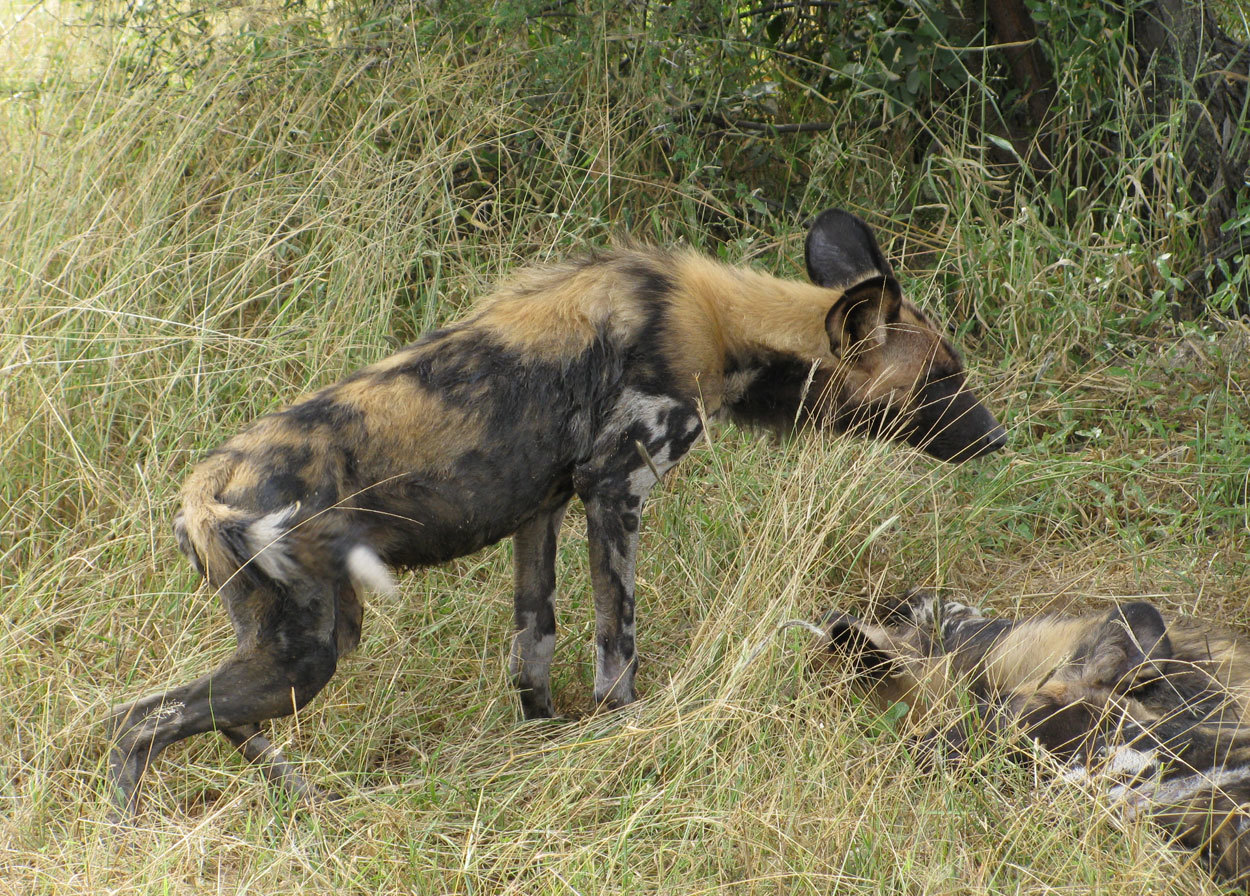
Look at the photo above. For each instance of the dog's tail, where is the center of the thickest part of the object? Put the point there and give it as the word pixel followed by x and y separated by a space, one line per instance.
pixel 284 545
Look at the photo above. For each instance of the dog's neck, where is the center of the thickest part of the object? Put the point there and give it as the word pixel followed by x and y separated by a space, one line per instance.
pixel 757 313
pixel 728 317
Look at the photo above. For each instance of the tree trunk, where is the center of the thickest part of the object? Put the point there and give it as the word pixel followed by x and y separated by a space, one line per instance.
pixel 1188 65
pixel 1014 32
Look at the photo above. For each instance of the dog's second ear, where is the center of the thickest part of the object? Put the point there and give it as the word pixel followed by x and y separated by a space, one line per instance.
pixel 862 312
pixel 841 251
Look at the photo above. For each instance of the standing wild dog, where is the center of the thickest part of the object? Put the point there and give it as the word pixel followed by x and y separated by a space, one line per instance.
pixel 583 379
pixel 1155 711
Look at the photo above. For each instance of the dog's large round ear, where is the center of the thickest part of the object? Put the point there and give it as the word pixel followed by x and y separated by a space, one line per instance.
pixel 862 313
pixel 859 644
pixel 841 250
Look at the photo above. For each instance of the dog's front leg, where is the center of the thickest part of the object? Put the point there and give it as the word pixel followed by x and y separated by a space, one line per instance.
pixel 534 565
pixel 612 531
pixel 651 433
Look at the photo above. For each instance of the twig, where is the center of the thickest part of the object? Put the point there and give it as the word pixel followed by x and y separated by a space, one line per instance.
pixel 802 127
pixel 801 4
pixel 792 623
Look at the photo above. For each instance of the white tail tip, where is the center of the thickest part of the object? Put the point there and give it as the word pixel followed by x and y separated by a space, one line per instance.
pixel 368 572
pixel 263 538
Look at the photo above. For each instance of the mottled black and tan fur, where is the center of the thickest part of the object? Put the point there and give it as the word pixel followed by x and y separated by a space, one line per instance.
pixel 589 379
pixel 1155 711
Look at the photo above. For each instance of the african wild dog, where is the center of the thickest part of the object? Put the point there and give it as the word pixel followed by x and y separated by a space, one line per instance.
pixel 585 379
pixel 1156 712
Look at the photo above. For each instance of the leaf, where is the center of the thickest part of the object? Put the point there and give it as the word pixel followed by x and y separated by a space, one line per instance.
pixel 1004 144
pixel 915 78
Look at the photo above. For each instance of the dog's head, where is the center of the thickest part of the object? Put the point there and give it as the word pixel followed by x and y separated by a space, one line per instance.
pixel 897 376
pixel 899 658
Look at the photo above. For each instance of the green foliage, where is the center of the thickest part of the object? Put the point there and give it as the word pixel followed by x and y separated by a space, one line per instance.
pixel 738 110
pixel 905 50
pixel 1232 295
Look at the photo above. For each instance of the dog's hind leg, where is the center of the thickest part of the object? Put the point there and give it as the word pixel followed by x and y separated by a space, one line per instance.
pixel 534 563
pixel 257 748
pixel 286 655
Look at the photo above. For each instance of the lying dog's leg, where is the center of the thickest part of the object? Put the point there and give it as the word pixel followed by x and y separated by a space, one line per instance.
pixel 286 655
pixel 1206 816
pixel 534 564
pixel 650 433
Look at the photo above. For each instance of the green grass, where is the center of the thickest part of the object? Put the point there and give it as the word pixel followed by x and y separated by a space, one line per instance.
pixel 179 254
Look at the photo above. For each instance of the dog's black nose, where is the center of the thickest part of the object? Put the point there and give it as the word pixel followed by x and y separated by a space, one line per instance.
pixel 995 440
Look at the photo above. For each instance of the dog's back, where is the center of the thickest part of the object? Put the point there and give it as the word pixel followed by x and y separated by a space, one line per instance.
pixel 433 452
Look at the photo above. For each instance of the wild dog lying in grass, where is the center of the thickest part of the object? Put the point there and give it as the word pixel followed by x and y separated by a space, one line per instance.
pixel 587 379
pixel 1155 711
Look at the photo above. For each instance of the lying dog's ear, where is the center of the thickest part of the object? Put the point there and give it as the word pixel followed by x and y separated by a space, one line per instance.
pixel 1128 648
pixel 862 313
pixel 842 251
pixel 859 644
